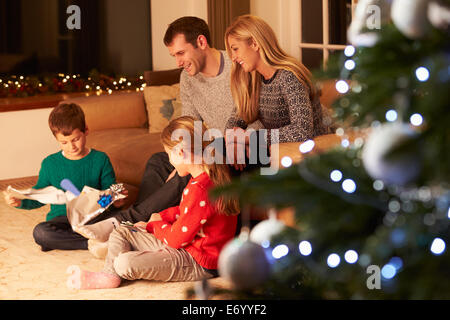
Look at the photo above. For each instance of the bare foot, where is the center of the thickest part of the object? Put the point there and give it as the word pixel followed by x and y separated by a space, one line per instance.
pixel 81 279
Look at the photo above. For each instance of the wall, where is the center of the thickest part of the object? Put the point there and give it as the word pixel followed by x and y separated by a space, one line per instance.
pixel 163 13
pixel 25 141
pixel 125 51
pixel 284 18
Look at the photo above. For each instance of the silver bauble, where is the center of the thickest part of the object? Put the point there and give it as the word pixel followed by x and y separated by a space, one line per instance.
pixel 439 14
pixel 266 229
pixel 244 264
pixel 380 143
pixel 410 17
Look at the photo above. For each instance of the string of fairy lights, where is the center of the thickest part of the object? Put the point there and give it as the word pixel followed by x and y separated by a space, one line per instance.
pixel 19 86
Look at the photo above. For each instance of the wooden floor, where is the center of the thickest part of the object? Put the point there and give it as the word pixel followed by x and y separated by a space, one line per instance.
pixel 18 183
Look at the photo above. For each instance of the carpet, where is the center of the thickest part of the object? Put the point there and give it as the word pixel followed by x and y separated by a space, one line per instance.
pixel 27 273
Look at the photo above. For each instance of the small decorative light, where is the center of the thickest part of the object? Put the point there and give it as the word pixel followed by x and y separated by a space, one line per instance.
pixel 378 185
pixel 64 80
pixel 305 248
pixel 21 77
pixel 448 213
pixel 141 77
pixel 333 260
pixel 129 83
pixel 74 76
pixel 115 83
pixel 109 91
pixel 416 119
pixel 349 51
pixel 306 146
pixel 97 87
pixel 40 84
pixel 265 244
pixel 391 115
pixel 342 86
pixel 280 251
pixel 336 175
pixel 87 86
pixel 286 161
pixel 396 262
pixel 437 246
pixel 349 185
pixel 349 64
pixel 388 271
pixel 67 77
pixel 340 132
pixel 345 143
pixel 351 256
pixel 422 74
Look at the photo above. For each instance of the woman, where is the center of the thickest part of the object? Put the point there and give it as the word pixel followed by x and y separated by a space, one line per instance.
pixel 271 89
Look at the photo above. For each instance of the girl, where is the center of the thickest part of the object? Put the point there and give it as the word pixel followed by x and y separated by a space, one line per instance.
pixel 271 89
pixel 180 243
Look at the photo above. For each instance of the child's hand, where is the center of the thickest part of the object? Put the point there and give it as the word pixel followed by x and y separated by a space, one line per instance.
pixel 10 200
pixel 141 224
pixel 155 217
pixel 121 202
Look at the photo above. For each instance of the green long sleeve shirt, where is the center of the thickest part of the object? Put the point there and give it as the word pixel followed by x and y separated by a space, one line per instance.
pixel 94 170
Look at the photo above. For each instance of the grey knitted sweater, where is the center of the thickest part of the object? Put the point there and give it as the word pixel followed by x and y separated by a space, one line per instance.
pixel 208 98
pixel 284 104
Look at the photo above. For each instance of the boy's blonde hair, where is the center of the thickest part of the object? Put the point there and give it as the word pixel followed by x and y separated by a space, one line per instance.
pixel 219 173
pixel 65 118
pixel 245 86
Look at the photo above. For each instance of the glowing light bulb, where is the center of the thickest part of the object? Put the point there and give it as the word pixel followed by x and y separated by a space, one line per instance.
pixel 286 161
pixel 342 86
pixel 333 260
pixel 416 119
pixel 336 175
pixel 349 185
pixel 349 51
pixel 391 115
pixel 437 246
pixel 349 64
pixel 422 74
pixel 306 146
pixel 351 256
pixel 280 251
pixel 388 271
pixel 305 248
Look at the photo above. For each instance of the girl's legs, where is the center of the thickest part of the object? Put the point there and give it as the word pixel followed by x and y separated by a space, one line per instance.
pixel 136 255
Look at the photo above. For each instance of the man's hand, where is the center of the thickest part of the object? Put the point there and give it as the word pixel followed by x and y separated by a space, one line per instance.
pixel 10 200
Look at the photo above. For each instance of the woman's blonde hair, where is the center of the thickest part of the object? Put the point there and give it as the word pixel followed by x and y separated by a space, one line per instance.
pixel 185 128
pixel 245 86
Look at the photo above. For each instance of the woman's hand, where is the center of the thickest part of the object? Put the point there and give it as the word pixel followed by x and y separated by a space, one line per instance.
pixel 155 217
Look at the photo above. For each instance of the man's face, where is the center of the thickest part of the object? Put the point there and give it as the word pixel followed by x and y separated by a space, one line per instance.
pixel 186 56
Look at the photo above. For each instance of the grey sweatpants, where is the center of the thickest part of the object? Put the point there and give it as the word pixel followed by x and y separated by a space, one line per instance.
pixel 136 255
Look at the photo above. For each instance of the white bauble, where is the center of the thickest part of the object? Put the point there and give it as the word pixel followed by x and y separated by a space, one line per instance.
pixel 410 17
pixel 369 14
pixel 244 264
pixel 380 143
pixel 439 14
pixel 266 229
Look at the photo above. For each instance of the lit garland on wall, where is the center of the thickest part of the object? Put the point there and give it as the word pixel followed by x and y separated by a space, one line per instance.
pixel 19 86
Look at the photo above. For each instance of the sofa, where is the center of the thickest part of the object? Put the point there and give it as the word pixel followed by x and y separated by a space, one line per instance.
pixel 127 126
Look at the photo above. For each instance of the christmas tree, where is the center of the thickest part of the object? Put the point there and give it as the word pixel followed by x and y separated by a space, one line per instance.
pixel 372 214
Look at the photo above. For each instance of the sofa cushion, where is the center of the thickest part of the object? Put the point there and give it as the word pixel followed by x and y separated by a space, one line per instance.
pixel 117 110
pixel 163 104
pixel 129 150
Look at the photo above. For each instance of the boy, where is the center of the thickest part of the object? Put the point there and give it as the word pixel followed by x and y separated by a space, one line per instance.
pixel 82 165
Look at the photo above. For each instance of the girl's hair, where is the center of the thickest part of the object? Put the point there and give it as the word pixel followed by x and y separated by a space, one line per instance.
pixel 245 86
pixel 186 128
